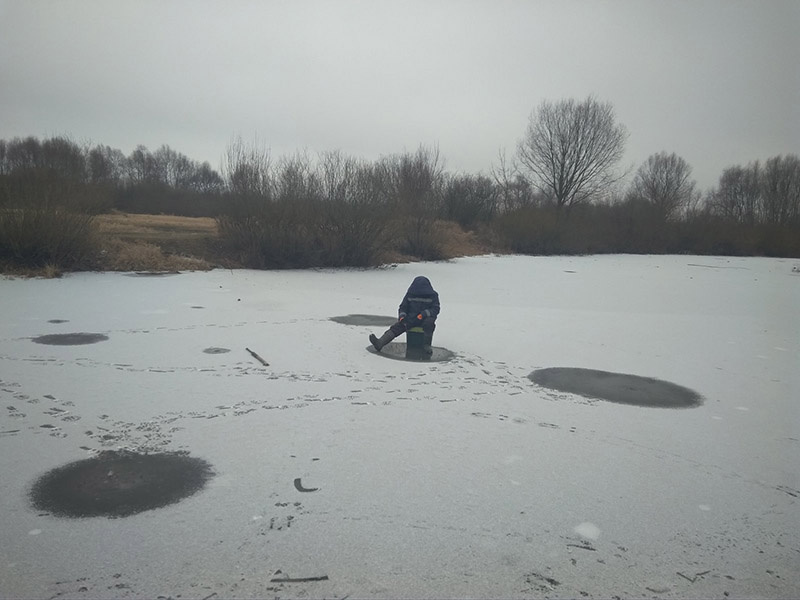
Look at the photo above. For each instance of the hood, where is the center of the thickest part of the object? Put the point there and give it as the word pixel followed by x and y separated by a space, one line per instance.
pixel 421 286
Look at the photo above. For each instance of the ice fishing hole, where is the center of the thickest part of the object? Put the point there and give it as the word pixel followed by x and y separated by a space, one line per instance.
pixel 617 387
pixel 400 351
pixel 365 320
pixel 119 484
pixel 70 339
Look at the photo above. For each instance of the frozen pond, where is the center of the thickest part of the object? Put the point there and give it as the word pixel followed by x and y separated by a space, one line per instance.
pixel 602 426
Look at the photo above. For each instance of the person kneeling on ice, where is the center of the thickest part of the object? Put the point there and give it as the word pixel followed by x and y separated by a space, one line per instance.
pixel 419 308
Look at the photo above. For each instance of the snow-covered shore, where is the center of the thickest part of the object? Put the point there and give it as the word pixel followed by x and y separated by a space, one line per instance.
pixel 446 479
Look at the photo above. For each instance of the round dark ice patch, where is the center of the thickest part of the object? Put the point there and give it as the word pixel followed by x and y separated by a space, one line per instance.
pixel 70 339
pixel 400 351
pixel 617 387
pixel 214 350
pixel 119 484
pixel 365 320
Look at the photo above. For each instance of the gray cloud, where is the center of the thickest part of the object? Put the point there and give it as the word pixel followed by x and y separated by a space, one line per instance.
pixel 714 81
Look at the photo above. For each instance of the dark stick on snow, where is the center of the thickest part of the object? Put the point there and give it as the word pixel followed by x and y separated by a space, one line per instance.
pixel 299 486
pixel 583 547
pixel 298 579
pixel 257 357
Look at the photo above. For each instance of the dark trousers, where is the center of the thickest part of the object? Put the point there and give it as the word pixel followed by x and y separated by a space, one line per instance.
pixel 428 325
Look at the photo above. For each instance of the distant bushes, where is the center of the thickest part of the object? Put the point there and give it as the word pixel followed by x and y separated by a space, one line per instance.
pixel 331 210
pixel 46 205
pixel 637 229
pixel 284 234
pixel 46 235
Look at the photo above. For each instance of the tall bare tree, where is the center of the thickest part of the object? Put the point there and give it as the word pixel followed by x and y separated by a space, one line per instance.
pixel 780 184
pixel 739 194
pixel 571 150
pixel 141 167
pixel 106 165
pixel 756 193
pixel 664 182
pixel 174 169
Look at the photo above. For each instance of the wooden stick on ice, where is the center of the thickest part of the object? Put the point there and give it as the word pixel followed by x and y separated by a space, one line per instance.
pixel 257 357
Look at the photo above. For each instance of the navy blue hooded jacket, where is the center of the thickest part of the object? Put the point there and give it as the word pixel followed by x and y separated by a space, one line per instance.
pixel 420 298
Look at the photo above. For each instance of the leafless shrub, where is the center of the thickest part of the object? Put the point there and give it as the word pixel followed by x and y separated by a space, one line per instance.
pixel 46 235
pixel 331 213
pixel 247 170
pixel 469 199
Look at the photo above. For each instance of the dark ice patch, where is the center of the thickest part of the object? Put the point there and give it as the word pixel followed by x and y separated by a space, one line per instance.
pixel 70 339
pixel 58 321
pixel 617 387
pixel 119 484
pixel 365 320
pixel 400 351
pixel 214 350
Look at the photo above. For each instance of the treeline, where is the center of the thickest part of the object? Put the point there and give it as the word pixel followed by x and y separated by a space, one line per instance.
pixel 100 178
pixel 330 209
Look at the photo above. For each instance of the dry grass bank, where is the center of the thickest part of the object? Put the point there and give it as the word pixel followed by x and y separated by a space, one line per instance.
pixel 136 242
pixel 142 242
pixel 155 228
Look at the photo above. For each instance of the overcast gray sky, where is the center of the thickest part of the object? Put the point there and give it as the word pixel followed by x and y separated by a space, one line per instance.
pixel 717 82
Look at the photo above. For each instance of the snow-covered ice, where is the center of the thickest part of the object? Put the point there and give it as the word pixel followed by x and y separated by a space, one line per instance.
pixel 451 479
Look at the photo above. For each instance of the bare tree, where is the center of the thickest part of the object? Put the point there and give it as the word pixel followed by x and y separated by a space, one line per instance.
pixel 469 199
pixel 780 185
pixel 513 189
pixel 738 196
pixel 664 182
pixel 247 169
pixel 571 150
pixel 296 179
pixel 106 165
pixel 416 182
pixel 337 174
pixel 173 168
pixel 4 166
pixel 206 180
pixel 141 166
pixel 64 157
pixel 417 179
pixel 24 154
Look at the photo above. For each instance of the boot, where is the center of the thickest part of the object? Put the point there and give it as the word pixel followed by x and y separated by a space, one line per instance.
pixel 427 344
pixel 385 339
